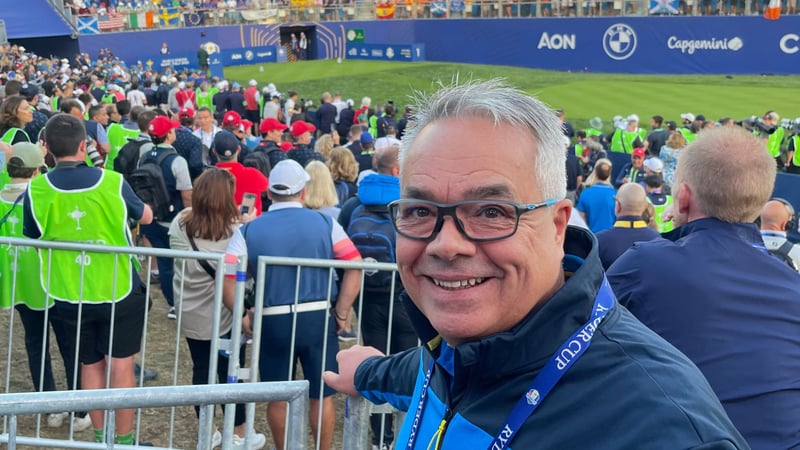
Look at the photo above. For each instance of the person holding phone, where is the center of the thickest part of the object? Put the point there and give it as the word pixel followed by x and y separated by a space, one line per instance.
pixel 250 182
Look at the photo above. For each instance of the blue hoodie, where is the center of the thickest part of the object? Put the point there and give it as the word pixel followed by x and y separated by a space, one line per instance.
pixel 378 189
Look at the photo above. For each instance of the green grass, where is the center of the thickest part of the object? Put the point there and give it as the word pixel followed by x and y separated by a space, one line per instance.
pixel 583 95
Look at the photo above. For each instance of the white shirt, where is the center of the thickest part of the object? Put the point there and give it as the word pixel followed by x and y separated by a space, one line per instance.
pixel 386 141
pixel 136 97
pixel 773 241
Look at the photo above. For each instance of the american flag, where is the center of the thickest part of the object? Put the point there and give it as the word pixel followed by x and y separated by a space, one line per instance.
pixel 110 21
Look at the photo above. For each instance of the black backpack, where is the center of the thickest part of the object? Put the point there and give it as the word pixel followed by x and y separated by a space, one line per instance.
pixel 373 234
pixel 258 159
pixel 147 181
pixel 782 253
pixel 128 157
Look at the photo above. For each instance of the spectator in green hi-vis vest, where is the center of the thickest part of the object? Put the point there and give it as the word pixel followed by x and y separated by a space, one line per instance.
pixel 78 203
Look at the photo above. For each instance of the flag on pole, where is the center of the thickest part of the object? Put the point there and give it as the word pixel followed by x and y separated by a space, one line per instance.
pixel 773 10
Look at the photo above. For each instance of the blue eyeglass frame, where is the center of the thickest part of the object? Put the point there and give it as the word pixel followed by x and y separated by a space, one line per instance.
pixel 449 209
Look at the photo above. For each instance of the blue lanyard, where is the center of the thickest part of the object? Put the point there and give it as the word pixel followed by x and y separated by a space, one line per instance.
pixel 569 352
pixel 423 396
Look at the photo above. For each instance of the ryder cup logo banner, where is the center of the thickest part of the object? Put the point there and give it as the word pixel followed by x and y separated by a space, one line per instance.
pixel 619 42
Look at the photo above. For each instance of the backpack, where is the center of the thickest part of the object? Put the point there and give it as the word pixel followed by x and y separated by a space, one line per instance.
pixel 128 157
pixel 373 234
pixel 147 181
pixel 782 253
pixel 342 191
pixel 258 159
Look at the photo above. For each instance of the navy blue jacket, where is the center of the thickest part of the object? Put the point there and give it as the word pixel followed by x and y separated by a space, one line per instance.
pixel 714 292
pixel 627 230
pixel 629 390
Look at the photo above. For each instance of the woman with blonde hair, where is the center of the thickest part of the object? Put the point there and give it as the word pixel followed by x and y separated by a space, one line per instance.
pixel 207 226
pixel 344 171
pixel 320 192
pixel 324 146
pixel 669 156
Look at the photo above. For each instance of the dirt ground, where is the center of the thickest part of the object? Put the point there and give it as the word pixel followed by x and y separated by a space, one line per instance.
pixel 155 424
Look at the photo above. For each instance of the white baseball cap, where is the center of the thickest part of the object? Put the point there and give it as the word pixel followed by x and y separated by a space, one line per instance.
pixel 288 178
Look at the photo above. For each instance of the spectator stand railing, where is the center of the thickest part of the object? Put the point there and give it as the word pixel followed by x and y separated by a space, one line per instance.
pixel 125 19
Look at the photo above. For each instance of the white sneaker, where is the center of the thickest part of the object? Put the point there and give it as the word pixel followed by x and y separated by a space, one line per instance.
pixel 383 446
pixel 257 442
pixel 82 423
pixel 55 420
pixel 216 439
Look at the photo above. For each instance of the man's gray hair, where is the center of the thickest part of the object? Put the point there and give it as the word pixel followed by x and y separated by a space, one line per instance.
pixel 496 101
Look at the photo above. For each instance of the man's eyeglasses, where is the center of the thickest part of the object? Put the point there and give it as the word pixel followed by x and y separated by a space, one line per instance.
pixel 478 220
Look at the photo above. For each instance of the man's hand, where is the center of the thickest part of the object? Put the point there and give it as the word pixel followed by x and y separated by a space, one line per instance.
pixel 348 361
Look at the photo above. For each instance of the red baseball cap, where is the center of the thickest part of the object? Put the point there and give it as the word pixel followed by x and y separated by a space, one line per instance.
pixel 300 127
pixel 271 124
pixel 186 113
pixel 639 152
pixel 161 125
pixel 286 146
pixel 246 123
pixel 231 118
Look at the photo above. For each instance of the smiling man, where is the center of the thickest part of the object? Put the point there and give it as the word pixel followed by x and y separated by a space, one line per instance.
pixel 524 342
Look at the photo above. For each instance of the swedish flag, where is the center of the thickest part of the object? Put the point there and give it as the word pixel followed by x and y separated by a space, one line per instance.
pixel 169 16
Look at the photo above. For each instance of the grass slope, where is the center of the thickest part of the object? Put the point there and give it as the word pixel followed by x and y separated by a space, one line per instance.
pixel 582 95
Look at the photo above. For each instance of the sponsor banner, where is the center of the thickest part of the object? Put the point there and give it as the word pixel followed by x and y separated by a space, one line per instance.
pixel 256 15
pixel 355 35
pixel 383 52
pixel 247 55
pixel 678 45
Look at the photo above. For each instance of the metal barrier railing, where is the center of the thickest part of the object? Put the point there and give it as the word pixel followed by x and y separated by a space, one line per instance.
pixel 356 413
pixel 13 405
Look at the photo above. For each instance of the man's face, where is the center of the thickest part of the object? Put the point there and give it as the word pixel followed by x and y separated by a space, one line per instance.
pixel 102 117
pixel 205 119
pixel 504 279
pixel 114 115
pixel 304 138
pixel 637 161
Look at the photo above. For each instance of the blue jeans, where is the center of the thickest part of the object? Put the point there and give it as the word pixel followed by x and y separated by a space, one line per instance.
pixel 159 238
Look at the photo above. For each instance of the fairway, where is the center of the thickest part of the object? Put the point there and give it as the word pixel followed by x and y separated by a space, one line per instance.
pixel 583 95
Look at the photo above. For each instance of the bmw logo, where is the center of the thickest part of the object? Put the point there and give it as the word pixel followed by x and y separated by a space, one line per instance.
pixel 619 41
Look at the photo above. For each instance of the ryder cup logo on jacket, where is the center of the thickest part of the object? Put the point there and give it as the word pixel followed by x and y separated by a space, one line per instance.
pixel 533 397
pixel 619 41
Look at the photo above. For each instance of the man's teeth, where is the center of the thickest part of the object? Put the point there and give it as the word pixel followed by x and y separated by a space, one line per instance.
pixel 458 284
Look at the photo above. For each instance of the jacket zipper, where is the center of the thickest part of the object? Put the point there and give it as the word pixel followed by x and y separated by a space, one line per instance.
pixel 443 428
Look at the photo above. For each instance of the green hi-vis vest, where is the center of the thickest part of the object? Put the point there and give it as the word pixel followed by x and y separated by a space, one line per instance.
pixel 7 138
pixel 19 265
pixel 117 137
pixel 95 215
pixel 687 134
pixel 622 141
pixel 204 99
pixel 663 226
pixel 108 97
pixel 578 150
pixel 774 142
pixel 796 156
pixel 593 132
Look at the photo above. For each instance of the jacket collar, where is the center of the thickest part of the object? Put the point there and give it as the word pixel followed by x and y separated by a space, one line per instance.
pixel 747 232
pixel 527 346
